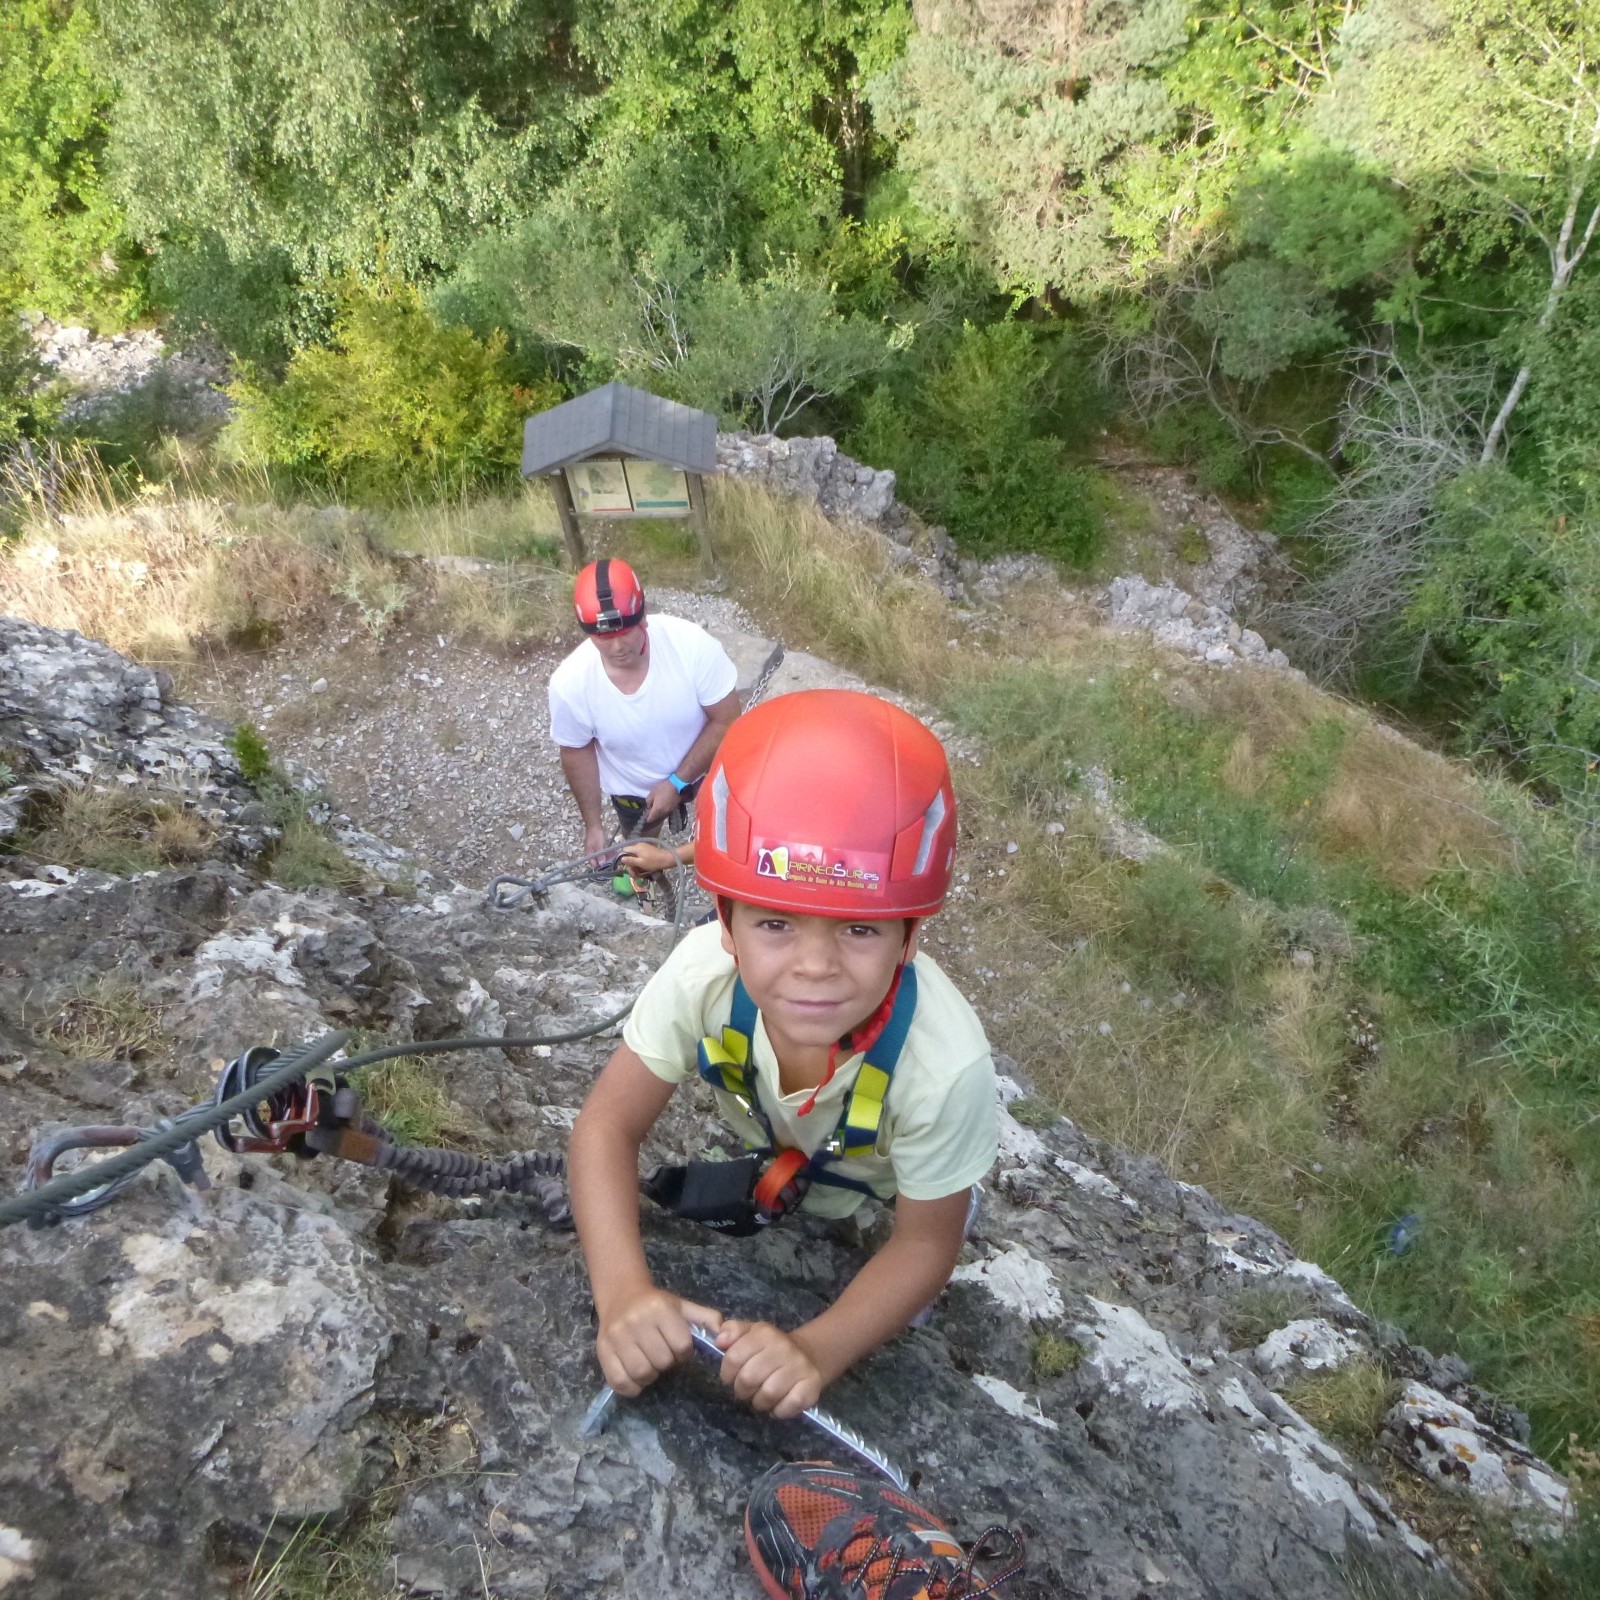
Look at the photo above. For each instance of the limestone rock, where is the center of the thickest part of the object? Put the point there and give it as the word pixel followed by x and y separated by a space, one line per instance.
pixel 192 1374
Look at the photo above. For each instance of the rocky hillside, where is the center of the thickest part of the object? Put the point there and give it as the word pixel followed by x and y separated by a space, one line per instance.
pixel 194 1374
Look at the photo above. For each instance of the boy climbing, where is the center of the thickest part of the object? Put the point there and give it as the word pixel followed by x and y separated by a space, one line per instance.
pixel 825 831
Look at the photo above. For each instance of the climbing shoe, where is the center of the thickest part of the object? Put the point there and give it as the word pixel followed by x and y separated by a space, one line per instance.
pixel 820 1532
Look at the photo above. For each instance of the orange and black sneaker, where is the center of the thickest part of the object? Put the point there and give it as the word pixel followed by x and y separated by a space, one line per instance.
pixel 820 1532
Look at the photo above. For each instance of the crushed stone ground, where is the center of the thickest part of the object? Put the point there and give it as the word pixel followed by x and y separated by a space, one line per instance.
pixel 427 740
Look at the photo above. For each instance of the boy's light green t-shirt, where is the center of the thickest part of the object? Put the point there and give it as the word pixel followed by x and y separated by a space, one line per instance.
pixel 941 1131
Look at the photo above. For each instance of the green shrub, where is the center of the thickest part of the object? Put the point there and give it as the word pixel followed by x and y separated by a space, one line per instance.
pixel 397 405
pixel 1512 596
pixel 1187 923
pixel 250 749
pixel 19 372
pixel 1196 436
pixel 969 449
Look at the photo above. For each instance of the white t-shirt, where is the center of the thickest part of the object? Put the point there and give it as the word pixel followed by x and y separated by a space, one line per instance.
pixel 644 735
pixel 940 1131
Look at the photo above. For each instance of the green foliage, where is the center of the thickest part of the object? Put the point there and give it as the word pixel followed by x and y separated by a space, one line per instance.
pixel 1037 141
pixel 251 301
pixel 256 766
pixel 1554 1566
pixel 968 446
pixel 1053 1356
pixel 145 429
pixel 663 310
pixel 1033 1113
pixel 1264 316
pixel 1187 925
pixel 774 126
pixel 359 140
pixel 20 374
pixel 63 248
pixel 1512 594
pixel 1199 437
pixel 396 405
pixel 406 1095
pixel 764 350
pixel 1475 982
pixel 306 858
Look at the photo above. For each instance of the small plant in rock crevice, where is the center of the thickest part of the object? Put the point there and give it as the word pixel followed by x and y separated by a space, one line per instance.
pixel 103 1019
pixel 1347 1403
pixel 304 857
pixel 109 827
pixel 1053 1356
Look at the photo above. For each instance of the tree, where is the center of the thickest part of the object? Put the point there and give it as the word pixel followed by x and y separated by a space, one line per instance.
pixel 1031 126
pixel 1491 110
pixel 774 88
pixel 1511 596
pixel 665 313
pixel 768 348
pixel 361 137
pixel 64 249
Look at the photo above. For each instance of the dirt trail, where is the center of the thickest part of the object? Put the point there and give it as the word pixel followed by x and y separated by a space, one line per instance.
pixel 429 741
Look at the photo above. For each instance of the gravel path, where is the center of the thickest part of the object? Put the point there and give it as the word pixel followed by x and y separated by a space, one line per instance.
pixel 435 744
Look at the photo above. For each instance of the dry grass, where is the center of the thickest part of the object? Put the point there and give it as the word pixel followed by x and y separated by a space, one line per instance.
pixel 1347 1404
pixel 514 527
pixel 112 828
pixel 159 574
pixel 105 1019
pixel 507 607
pixel 154 580
pixel 835 590
pixel 1400 810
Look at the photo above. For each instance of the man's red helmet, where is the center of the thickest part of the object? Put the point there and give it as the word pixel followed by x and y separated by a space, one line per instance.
pixel 608 597
pixel 828 803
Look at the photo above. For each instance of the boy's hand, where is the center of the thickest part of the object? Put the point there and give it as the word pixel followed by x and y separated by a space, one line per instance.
pixel 643 858
pixel 767 1368
pixel 647 1336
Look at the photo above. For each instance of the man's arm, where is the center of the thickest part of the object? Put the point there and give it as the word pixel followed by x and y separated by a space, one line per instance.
pixel 581 767
pixel 695 761
pixel 785 1373
pixel 644 1330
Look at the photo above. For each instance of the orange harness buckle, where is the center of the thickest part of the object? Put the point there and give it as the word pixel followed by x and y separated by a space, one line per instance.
pixel 778 1190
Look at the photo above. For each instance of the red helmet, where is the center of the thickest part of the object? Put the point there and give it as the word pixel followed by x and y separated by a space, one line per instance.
pixel 828 803
pixel 607 597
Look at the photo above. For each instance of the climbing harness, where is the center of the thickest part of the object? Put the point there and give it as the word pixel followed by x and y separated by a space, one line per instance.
pixel 744 1195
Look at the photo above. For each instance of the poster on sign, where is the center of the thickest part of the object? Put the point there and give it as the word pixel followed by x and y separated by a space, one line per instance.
pixel 657 489
pixel 599 487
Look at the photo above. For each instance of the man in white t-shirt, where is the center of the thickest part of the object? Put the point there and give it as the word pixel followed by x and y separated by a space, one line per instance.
pixel 640 715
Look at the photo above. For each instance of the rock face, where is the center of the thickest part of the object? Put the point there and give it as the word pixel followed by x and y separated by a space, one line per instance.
pixel 1181 621
pixel 191 1375
pixel 103 373
pixel 814 470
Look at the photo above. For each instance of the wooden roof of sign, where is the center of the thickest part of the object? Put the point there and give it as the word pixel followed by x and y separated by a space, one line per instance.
pixel 617 419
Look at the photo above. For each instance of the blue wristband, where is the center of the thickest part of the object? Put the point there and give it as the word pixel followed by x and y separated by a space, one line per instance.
pixel 676 782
